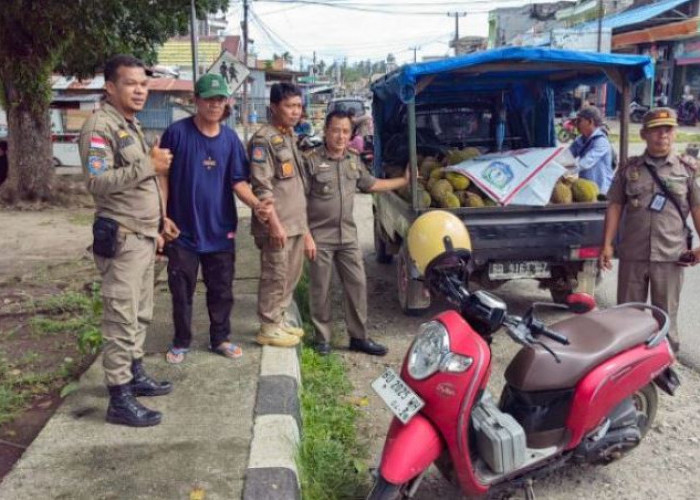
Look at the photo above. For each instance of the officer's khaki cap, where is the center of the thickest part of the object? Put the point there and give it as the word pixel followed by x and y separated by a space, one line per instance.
pixel 660 117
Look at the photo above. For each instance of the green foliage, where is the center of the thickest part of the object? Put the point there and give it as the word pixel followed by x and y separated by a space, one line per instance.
pixel 77 313
pixel 72 37
pixel 330 457
pixel 301 297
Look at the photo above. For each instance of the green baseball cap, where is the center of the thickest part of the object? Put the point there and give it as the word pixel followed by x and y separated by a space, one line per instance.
pixel 211 86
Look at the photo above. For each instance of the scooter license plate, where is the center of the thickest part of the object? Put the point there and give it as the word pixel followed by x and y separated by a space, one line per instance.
pixel 516 270
pixel 398 396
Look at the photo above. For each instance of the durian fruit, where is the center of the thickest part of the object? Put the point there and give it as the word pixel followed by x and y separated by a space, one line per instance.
pixel 562 193
pixel 437 173
pixel 471 200
pixel 440 189
pixel 458 181
pixel 428 164
pixel 424 199
pixel 455 156
pixel 488 202
pixel 449 201
pixel 584 191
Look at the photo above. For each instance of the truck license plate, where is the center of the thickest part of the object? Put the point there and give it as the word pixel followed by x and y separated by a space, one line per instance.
pixel 400 399
pixel 515 270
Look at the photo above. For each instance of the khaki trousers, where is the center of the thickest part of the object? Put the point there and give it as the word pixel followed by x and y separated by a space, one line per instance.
pixel 127 303
pixel 280 270
pixel 662 280
pixel 351 271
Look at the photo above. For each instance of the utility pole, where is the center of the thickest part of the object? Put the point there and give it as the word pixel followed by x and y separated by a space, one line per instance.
pixel 456 15
pixel 414 49
pixel 313 79
pixel 244 108
pixel 600 24
pixel 193 41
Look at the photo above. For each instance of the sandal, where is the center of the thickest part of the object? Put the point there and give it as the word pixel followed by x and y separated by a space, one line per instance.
pixel 176 355
pixel 227 350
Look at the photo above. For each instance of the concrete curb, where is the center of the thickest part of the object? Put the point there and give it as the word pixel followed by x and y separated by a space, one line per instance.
pixel 272 472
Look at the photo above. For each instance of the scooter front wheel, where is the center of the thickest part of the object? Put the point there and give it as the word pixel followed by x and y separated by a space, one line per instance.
pixel 384 490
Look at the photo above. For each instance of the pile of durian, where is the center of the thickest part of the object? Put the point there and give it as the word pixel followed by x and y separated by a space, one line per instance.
pixel 571 190
pixel 438 188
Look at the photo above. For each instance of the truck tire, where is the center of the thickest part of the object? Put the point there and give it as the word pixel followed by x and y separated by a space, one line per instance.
pixel 382 256
pixel 410 292
pixel 559 296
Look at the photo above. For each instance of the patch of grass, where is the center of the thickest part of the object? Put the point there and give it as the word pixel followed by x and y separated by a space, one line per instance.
pixel 330 457
pixel 635 138
pixel 77 313
pixel 301 297
pixel 330 460
pixel 82 219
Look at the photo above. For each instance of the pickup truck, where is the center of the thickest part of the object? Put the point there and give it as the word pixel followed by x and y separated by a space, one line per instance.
pixel 495 101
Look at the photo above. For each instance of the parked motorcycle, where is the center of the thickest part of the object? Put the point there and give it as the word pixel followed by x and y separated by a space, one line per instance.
pixel 581 390
pixel 637 112
pixel 566 129
pixel 687 112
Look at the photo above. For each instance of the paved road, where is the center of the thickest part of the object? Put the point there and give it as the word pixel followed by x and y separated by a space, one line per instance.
pixel 670 450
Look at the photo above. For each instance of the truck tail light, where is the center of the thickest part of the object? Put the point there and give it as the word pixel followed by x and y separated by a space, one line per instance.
pixel 584 253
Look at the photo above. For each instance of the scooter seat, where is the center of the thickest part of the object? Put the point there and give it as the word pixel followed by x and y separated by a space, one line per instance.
pixel 594 337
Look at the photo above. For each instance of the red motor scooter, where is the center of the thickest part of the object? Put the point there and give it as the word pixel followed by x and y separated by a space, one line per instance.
pixel 582 389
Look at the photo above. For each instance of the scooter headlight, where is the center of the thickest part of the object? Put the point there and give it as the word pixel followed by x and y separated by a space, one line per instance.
pixel 431 345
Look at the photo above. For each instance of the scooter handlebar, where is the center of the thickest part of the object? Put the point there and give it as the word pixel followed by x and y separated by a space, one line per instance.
pixel 539 328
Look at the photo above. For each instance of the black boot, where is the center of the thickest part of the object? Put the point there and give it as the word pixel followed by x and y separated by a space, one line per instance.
pixel 124 409
pixel 143 385
pixel 368 346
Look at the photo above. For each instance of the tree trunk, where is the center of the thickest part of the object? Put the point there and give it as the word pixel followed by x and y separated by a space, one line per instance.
pixel 30 154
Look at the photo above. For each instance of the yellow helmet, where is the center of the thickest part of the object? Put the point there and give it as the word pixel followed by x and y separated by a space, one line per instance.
pixel 434 234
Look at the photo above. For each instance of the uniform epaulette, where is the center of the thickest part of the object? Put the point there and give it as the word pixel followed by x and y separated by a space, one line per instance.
pixel 632 161
pixel 308 153
pixel 688 162
pixel 353 151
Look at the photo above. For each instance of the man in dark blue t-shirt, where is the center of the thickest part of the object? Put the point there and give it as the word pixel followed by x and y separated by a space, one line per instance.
pixel 209 165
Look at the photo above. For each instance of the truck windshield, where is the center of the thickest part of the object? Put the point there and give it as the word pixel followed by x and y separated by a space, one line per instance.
pixel 456 127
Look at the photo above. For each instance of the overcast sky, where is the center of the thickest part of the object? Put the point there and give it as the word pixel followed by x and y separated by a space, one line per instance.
pixel 349 29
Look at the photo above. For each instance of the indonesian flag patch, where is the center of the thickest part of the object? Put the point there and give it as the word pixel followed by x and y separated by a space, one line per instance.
pixel 97 142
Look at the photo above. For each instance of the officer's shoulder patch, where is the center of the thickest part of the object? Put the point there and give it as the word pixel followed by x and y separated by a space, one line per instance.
pixel 97 165
pixel 276 140
pixel 258 153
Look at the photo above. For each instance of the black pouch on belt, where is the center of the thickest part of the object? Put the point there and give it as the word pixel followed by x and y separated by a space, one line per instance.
pixel 105 234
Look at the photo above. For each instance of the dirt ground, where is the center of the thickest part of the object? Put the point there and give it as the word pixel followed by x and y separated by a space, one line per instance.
pixel 42 256
pixel 665 465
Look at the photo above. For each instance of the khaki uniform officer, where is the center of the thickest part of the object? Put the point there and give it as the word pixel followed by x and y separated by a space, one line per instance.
pixel 335 173
pixel 121 175
pixel 652 236
pixel 276 173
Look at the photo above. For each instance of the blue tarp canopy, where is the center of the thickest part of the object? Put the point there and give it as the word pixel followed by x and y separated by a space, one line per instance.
pixel 501 68
pixel 520 83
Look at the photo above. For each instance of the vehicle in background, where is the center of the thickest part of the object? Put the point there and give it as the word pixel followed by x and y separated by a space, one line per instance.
pixel 65 150
pixel 491 102
pixel 356 104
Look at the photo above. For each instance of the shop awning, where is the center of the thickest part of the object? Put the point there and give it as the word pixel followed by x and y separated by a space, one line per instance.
pixel 665 32
pixel 631 17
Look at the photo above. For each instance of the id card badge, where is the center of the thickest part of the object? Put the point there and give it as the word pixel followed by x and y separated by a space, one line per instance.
pixel 658 202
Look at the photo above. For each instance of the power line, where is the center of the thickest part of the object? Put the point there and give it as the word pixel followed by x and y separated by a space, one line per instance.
pixel 360 7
